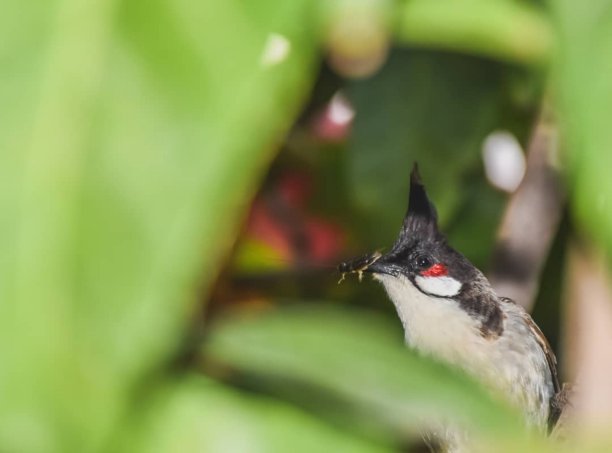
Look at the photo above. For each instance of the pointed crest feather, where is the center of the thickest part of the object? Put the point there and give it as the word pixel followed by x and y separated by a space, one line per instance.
pixel 421 217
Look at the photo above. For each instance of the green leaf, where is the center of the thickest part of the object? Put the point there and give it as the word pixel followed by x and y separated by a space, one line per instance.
pixel 356 357
pixel 502 29
pixel 422 106
pixel 133 135
pixel 583 83
pixel 195 414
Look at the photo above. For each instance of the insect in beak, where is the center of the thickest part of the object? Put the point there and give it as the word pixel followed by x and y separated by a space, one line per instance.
pixel 357 265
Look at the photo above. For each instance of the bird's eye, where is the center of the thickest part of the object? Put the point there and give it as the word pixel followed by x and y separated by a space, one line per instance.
pixel 423 261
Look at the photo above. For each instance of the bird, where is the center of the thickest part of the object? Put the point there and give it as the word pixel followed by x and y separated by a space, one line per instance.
pixel 450 312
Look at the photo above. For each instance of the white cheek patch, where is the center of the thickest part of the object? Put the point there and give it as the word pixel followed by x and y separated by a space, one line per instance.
pixel 439 286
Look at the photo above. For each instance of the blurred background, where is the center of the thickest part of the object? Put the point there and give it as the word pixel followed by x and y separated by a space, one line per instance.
pixel 179 180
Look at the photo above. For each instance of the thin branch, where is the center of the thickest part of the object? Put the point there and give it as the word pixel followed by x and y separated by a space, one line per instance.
pixel 530 221
pixel 588 346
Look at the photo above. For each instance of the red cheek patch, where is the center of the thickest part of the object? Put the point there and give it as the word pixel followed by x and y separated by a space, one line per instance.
pixel 437 270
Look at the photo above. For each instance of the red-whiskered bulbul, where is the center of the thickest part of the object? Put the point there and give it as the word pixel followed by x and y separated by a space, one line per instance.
pixel 450 312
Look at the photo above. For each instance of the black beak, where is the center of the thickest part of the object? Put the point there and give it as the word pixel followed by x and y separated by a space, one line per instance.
pixel 374 263
pixel 381 267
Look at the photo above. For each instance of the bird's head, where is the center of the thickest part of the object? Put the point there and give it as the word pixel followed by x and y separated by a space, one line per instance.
pixel 421 253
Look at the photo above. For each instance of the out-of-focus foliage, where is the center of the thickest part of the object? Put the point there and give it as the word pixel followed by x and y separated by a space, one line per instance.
pixel 405 116
pixel 385 385
pixel 197 414
pixel 584 95
pixel 135 136
pixel 507 30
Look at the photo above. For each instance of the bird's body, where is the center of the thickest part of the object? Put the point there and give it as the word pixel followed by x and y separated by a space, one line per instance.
pixel 450 312
pixel 513 360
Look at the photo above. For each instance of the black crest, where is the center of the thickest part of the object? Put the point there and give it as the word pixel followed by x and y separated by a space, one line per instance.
pixel 421 218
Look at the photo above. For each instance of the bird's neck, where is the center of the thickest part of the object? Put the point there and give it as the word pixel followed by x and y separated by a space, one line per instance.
pixel 435 326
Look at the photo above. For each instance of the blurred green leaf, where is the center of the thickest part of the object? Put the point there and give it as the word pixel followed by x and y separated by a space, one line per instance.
pixel 422 106
pixel 473 228
pixel 502 29
pixel 583 83
pixel 354 355
pixel 134 134
pixel 195 414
